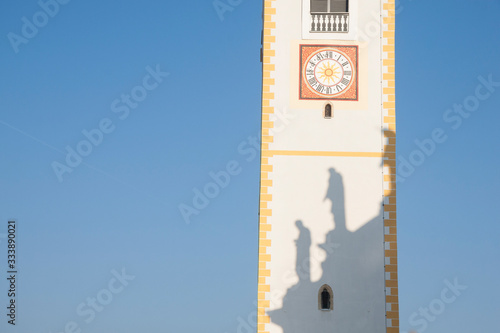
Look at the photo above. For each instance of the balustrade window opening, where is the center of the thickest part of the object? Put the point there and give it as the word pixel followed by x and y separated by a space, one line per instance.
pixel 329 16
pixel 329 6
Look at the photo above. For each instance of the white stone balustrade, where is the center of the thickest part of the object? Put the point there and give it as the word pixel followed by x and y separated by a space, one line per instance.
pixel 329 22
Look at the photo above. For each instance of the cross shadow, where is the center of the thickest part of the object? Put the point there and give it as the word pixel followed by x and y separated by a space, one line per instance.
pixel 354 262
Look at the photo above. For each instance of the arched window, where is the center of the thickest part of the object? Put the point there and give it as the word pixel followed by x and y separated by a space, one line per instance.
pixel 325 298
pixel 328 111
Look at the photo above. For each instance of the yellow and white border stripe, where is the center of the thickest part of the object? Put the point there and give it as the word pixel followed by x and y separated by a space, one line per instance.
pixel 389 121
pixel 268 68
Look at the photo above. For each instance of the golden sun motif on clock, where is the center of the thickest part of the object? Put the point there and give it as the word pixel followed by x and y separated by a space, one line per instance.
pixel 329 72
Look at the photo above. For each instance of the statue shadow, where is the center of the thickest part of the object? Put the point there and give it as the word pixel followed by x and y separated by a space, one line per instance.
pixel 353 269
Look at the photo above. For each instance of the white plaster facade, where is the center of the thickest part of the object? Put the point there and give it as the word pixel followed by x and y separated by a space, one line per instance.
pixel 324 184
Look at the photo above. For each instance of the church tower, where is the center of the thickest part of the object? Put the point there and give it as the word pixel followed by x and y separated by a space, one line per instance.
pixel 327 216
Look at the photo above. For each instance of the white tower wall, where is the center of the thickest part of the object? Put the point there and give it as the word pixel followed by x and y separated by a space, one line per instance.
pixel 327 202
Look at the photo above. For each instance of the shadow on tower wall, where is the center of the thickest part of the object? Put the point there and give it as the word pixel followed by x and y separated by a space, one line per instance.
pixel 353 268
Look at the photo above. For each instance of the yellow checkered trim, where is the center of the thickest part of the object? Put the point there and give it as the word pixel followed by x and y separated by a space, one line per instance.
pixel 263 298
pixel 389 121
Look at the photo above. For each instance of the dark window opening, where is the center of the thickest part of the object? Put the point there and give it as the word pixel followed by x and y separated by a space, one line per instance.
pixel 328 111
pixel 325 298
pixel 329 6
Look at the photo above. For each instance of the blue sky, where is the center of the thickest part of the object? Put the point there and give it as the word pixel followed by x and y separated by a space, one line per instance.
pixel 117 212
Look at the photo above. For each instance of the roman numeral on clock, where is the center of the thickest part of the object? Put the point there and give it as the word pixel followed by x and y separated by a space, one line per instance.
pixel 345 82
pixel 313 82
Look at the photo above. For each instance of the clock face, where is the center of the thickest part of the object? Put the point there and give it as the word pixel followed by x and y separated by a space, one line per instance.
pixel 329 72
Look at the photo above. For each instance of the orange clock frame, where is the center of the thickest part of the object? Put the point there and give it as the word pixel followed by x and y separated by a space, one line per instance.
pixel 350 91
